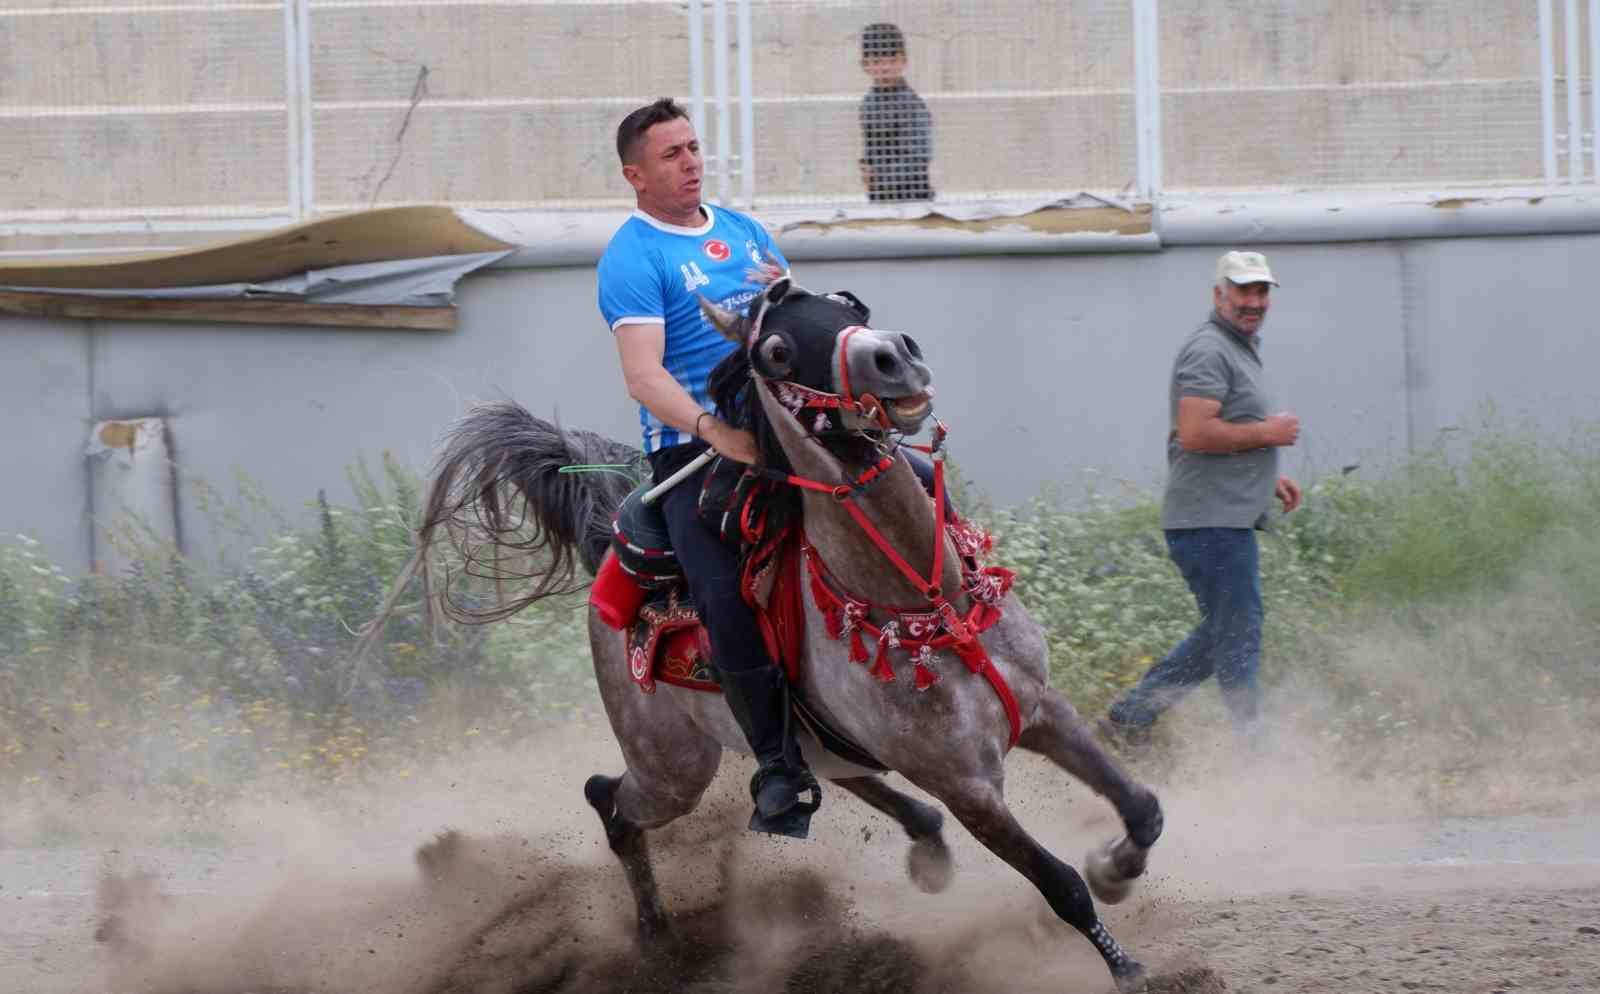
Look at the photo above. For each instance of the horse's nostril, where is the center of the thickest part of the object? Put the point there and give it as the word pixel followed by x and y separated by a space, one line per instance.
pixel 886 362
pixel 912 346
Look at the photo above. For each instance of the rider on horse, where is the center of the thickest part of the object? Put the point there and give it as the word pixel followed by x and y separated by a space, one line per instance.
pixel 673 251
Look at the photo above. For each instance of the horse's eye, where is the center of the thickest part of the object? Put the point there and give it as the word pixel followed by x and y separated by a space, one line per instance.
pixel 777 355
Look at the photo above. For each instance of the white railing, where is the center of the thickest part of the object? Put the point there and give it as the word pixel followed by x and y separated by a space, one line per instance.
pixel 741 116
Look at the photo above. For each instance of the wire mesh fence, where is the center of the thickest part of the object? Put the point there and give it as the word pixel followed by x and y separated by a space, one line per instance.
pixel 141 108
pixel 191 109
pixel 1298 94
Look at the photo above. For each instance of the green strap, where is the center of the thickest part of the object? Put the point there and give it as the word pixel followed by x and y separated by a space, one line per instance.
pixel 619 468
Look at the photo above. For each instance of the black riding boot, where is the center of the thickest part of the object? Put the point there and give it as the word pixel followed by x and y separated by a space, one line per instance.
pixel 759 699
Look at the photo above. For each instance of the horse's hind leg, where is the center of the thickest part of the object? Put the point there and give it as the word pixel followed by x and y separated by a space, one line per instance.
pixel 1058 733
pixel 983 811
pixel 627 840
pixel 928 861
pixel 670 764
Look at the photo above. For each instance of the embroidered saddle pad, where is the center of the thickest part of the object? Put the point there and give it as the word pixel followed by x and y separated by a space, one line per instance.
pixel 666 642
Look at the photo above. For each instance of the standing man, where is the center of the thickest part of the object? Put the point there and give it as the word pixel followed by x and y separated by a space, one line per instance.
pixel 673 250
pixel 1222 461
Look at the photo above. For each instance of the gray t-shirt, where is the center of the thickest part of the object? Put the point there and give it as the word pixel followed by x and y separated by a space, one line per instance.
pixel 1210 490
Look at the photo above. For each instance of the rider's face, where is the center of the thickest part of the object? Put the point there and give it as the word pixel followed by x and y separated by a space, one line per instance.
pixel 667 170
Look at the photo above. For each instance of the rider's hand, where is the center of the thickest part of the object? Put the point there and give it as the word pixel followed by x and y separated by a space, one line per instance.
pixel 734 443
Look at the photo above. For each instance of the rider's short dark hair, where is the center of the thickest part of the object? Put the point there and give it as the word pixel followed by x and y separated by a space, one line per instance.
pixel 631 131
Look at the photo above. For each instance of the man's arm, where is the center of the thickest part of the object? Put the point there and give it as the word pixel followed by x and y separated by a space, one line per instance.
pixel 1201 428
pixel 641 348
pixel 917 137
pixel 871 141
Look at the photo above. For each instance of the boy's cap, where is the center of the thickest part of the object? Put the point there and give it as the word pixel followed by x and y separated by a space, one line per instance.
pixel 1244 268
pixel 882 40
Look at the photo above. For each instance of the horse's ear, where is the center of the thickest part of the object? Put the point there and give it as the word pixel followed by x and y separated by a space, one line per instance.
pixel 769 298
pixel 777 290
pixel 729 323
pixel 853 302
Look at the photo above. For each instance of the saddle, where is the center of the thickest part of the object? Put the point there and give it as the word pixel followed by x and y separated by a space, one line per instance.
pixel 666 642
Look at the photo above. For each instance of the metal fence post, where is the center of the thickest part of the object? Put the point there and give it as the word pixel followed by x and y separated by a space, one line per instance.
pixel 719 82
pixel 1574 95
pixel 747 110
pixel 297 91
pixel 1147 96
pixel 1547 91
pixel 1594 88
pixel 697 66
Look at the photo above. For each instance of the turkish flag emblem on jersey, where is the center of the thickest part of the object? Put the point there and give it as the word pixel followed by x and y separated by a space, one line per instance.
pixel 717 250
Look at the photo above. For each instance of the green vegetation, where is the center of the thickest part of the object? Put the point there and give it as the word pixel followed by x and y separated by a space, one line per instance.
pixel 1454 600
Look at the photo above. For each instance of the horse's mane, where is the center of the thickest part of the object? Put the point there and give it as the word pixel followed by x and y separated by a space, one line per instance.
pixel 732 388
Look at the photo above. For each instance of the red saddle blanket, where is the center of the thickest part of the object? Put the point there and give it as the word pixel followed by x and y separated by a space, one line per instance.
pixel 666 642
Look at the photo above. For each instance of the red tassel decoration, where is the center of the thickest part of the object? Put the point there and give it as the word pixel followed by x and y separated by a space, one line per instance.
pixel 858 647
pixel 832 610
pixel 832 619
pixel 882 669
pixel 926 675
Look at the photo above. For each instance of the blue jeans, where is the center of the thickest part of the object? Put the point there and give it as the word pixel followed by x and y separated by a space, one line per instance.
pixel 1222 568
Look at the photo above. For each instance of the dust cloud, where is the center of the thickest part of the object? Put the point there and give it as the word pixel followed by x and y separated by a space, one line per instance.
pixel 490 875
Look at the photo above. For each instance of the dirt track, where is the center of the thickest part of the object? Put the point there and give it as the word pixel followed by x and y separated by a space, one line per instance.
pixel 1262 884
pixel 1525 932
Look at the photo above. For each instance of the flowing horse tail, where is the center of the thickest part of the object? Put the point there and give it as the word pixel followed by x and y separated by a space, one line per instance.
pixel 500 495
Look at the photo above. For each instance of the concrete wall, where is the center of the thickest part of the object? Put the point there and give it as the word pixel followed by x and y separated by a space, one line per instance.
pixel 1050 369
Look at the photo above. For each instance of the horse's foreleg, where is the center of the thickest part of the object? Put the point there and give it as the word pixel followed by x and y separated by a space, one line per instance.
pixel 983 811
pixel 928 861
pixel 1058 733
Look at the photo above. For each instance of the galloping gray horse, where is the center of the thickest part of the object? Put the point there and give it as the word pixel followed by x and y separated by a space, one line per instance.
pixel 831 399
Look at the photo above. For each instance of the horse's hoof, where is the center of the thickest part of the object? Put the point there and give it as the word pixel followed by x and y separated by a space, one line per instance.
pixel 929 865
pixel 652 929
pixel 1145 828
pixel 1131 978
pixel 601 793
pixel 1108 885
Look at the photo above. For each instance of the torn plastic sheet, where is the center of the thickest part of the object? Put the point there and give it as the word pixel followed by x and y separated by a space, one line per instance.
pixel 426 282
pixel 982 210
pixel 1082 222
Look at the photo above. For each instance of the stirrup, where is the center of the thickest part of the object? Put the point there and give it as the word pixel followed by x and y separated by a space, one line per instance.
pixel 793 821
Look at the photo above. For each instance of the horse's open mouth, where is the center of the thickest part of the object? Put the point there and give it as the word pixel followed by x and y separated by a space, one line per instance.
pixel 912 407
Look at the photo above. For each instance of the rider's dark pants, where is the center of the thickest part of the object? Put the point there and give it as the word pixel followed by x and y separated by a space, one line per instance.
pixel 710 567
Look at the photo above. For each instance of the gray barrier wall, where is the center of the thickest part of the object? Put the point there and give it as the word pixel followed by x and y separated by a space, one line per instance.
pixel 1050 369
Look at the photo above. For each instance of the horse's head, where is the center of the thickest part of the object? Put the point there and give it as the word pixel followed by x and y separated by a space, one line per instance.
pixel 825 365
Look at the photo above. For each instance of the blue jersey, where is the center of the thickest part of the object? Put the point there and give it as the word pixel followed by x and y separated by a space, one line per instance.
pixel 654 273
